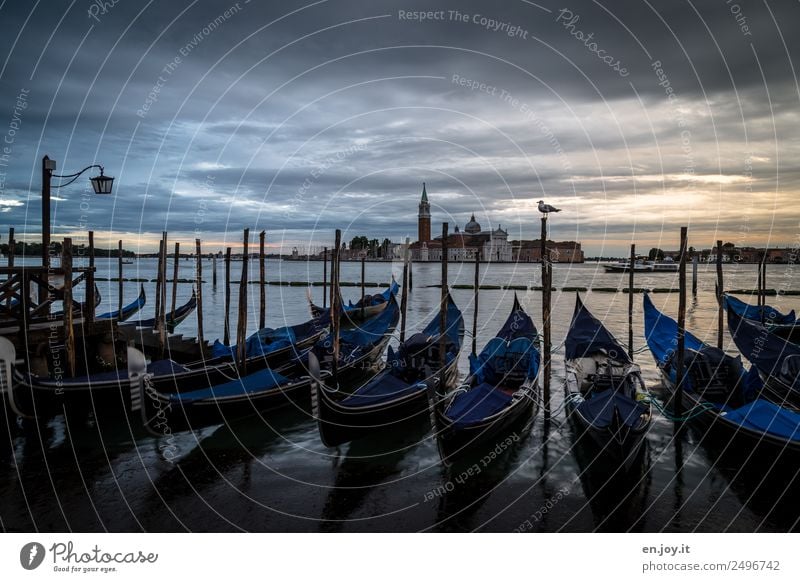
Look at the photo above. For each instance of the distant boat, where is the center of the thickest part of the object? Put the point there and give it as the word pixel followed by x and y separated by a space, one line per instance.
pixel 668 265
pixel 127 261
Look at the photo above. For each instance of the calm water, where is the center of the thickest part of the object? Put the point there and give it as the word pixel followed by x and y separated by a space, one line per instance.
pixel 273 474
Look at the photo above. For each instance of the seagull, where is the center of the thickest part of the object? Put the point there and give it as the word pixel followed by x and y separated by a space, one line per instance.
pixel 546 208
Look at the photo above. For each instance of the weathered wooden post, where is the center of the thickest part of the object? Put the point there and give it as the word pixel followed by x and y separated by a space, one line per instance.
pixel 695 260
pixel 325 278
pixel 363 293
pixel 262 280
pixel 164 281
pixel 475 314
pixel 214 270
pixel 764 285
pixel 11 247
pixel 175 266
pixel 335 306
pixel 119 276
pixel 158 284
pixel 226 332
pixel 69 329
pixel 443 312
pixel 410 273
pixel 88 315
pixel 720 296
pixel 630 301
pixel 162 276
pixel 404 299
pixel 679 371
pixel 546 319
pixel 11 250
pixel 241 322
pixel 199 285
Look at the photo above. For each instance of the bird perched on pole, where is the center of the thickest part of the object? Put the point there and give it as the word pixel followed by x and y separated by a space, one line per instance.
pixel 546 208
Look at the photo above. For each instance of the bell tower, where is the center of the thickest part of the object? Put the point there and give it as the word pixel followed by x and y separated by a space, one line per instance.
pixel 424 218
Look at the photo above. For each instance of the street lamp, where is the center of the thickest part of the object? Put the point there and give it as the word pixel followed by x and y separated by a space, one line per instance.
pixel 100 184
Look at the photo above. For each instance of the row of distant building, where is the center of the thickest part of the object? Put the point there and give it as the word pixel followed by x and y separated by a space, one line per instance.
pixel 489 246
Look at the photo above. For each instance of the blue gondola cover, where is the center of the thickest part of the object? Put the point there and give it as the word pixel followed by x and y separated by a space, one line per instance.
pixel 588 336
pixel 476 404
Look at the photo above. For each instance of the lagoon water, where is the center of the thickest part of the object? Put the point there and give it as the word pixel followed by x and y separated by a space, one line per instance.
pixel 273 474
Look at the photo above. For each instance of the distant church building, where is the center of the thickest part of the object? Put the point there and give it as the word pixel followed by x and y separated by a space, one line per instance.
pixel 492 246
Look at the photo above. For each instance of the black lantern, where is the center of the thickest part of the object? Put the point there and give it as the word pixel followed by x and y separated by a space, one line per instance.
pixel 102 183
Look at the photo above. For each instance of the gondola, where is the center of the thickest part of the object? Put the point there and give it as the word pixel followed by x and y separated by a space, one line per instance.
pixel 400 392
pixel 721 397
pixel 128 310
pixel 783 325
pixel 776 359
pixel 501 391
pixel 265 389
pixel 604 391
pixel 108 387
pixel 371 304
pixel 173 319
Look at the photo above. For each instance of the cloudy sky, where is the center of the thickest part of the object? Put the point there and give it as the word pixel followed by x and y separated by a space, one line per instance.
pixel 300 117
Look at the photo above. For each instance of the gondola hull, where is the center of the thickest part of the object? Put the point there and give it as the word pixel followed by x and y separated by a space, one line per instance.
pixel 339 424
pixel 616 444
pixel 180 415
pixel 747 443
pixel 454 441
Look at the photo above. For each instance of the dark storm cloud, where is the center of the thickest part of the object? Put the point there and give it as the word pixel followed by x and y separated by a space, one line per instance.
pixel 307 116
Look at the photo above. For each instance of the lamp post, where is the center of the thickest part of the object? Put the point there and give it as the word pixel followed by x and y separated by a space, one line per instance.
pixel 100 184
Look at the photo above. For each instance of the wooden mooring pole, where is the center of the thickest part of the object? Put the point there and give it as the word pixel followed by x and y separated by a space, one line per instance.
pixel 69 329
pixel 404 298
pixel 162 321
pixel 90 295
pixel 764 285
pixel 11 250
pixel 158 284
pixel 325 278
pixel 262 280
pixel 720 296
pixel 241 322
pixel 475 312
pixel 546 319
pixel 363 293
pixel 213 270
pixel 175 266
pixel 199 285
pixel 630 301
pixel 443 313
pixel 226 331
pixel 695 262
pixel 119 276
pixel 681 349
pixel 335 306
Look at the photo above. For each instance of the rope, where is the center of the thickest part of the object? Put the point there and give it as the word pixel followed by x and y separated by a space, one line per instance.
pixel 690 414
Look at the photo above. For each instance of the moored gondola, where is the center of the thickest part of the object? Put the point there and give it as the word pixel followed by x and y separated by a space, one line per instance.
pixel 398 393
pixel 106 385
pixel 784 325
pixel 604 391
pixel 776 359
pixel 172 319
pixel 369 306
pixel 719 396
pixel 128 310
pixel 501 391
pixel 267 388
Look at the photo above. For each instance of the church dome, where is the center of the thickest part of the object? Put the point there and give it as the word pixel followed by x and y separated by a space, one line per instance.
pixel 472 226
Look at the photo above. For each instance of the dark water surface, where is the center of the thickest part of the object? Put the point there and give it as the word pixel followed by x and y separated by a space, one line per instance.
pixel 273 473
